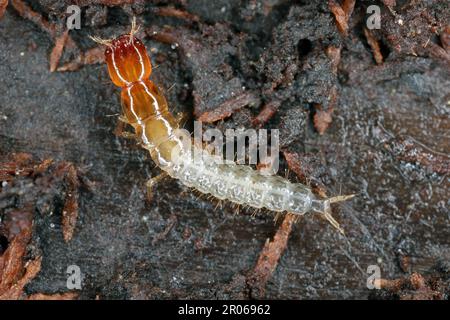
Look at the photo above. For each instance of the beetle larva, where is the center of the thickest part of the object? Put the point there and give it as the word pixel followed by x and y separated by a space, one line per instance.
pixel 145 108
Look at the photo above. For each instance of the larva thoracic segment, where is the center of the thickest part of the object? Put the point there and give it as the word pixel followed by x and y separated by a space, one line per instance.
pixel 145 108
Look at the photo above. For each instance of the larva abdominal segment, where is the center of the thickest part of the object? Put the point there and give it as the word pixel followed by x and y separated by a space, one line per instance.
pixel 145 108
pixel 241 184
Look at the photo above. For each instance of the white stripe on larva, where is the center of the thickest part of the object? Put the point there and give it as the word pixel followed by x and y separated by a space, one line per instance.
pixel 160 117
pixel 117 69
pixel 158 111
pixel 141 61
pixel 143 136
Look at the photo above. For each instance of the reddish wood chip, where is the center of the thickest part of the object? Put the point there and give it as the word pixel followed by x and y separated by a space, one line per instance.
pixel 322 119
pixel 342 13
pixel 303 172
pixel 26 12
pixel 445 39
pixel 373 43
pixel 414 287
pixel 58 49
pixel 267 112
pixel 14 272
pixel 390 3
pixel 91 56
pixel 334 54
pixel 3 5
pixel 269 257
pixel 177 13
pixel 56 296
pixel 70 210
pixel 227 108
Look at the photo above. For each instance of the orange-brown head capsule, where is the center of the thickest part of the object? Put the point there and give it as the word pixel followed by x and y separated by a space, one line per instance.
pixel 127 60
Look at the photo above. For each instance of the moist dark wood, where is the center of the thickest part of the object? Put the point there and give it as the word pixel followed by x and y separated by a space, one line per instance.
pixel 179 245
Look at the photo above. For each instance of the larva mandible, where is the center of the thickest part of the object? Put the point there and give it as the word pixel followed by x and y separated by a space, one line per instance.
pixel 145 109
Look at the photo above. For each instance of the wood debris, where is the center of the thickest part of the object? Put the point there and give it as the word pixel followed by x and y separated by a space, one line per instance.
pixel 91 56
pixel 269 258
pixel 3 5
pixel 322 119
pixel 176 13
pixel 58 50
pixel 162 235
pixel 228 107
pixel 55 296
pixel 22 165
pixel 70 210
pixel 266 113
pixel 61 40
pixel 302 169
pixel 413 287
pixel 445 39
pixel 342 13
pixel 374 45
pixel 15 272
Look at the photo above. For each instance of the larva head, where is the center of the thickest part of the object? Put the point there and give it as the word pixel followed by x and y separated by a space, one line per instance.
pixel 127 60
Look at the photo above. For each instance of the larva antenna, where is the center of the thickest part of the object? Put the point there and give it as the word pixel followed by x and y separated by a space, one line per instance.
pixel 134 27
pixel 340 198
pixel 324 207
pixel 105 42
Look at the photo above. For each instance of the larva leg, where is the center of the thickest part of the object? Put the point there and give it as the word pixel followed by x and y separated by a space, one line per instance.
pixel 123 119
pixel 327 215
pixel 181 117
pixel 121 132
pixel 152 182
pixel 128 135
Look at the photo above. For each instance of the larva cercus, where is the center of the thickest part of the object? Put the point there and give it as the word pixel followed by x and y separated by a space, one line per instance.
pixel 145 109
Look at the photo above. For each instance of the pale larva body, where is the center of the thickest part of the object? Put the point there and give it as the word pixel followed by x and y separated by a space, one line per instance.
pixel 240 184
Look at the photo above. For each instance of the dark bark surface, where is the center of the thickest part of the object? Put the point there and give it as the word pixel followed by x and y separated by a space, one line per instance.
pixel 388 142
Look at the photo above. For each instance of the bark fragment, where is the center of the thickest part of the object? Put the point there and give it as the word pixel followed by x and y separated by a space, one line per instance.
pixel 228 107
pixel 92 56
pixel 55 296
pixel 373 43
pixel 266 113
pixel 342 13
pixel 57 50
pixel 269 258
pixel 413 287
pixel 3 5
pixel 322 119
